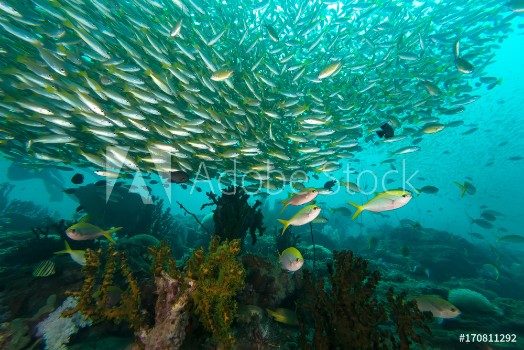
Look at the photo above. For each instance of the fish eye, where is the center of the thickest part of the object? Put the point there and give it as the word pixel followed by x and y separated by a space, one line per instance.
pixel 453 309
pixel 62 70
pixel 404 195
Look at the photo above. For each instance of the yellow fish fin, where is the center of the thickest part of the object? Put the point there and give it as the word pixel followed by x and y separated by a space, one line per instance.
pixel 108 233
pixel 286 203
pixel 285 223
pixel 462 188
pixel 84 219
pixel 360 208
pixel 66 251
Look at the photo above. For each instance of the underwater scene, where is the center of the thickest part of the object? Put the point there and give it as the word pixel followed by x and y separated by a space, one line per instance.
pixel 261 174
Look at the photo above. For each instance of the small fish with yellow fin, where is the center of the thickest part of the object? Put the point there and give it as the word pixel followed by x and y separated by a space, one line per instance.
pixel 78 256
pixel 291 259
pixel 83 231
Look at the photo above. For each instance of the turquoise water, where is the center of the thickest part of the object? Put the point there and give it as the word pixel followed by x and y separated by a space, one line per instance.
pixel 131 80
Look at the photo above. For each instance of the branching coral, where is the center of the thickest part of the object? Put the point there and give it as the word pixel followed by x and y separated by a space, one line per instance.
pixel 207 288
pixel 349 313
pixel 406 317
pixel 163 262
pixel 233 215
pixel 94 298
pixel 219 276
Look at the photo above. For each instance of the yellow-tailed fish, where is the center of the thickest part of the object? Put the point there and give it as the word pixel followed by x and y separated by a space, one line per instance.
pixel 304 196
pixel 221 74
pixel 284 316
pixel 78 256
pixel 304 216
pixel 328 70
pixel 291 260
pixel 83 231
pixel 466 188
pixel 384 201
pixel 439 307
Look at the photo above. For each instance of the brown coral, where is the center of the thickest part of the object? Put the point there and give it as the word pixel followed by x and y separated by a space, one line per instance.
pixel 94 297
pixel 219 276
pixel 349 312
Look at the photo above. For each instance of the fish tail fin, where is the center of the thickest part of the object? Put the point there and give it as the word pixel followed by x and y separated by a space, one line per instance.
pixel 462 188
pixel 271 313
pixel 66 251
pixel 380 133
pixel 360 208
pixel 285 223
pixel 285 205
pixel 108 233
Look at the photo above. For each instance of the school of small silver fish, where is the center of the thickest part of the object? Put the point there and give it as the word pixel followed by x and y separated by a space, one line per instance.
pixel 288 85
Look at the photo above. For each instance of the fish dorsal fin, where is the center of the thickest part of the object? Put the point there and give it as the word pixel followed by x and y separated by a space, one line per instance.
pixel 84 219
pixel 67 247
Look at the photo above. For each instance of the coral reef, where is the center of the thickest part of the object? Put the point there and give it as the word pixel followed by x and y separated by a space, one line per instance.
pixel 172 315
pixel 137 252
pixel 218 276
pixel 233 215
pixel 163 262
pixel 57 328
pixel 349 312
pixel 207 288
pixel 16 334
pixel 266 285
pixel 94 297
pixel 407 317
